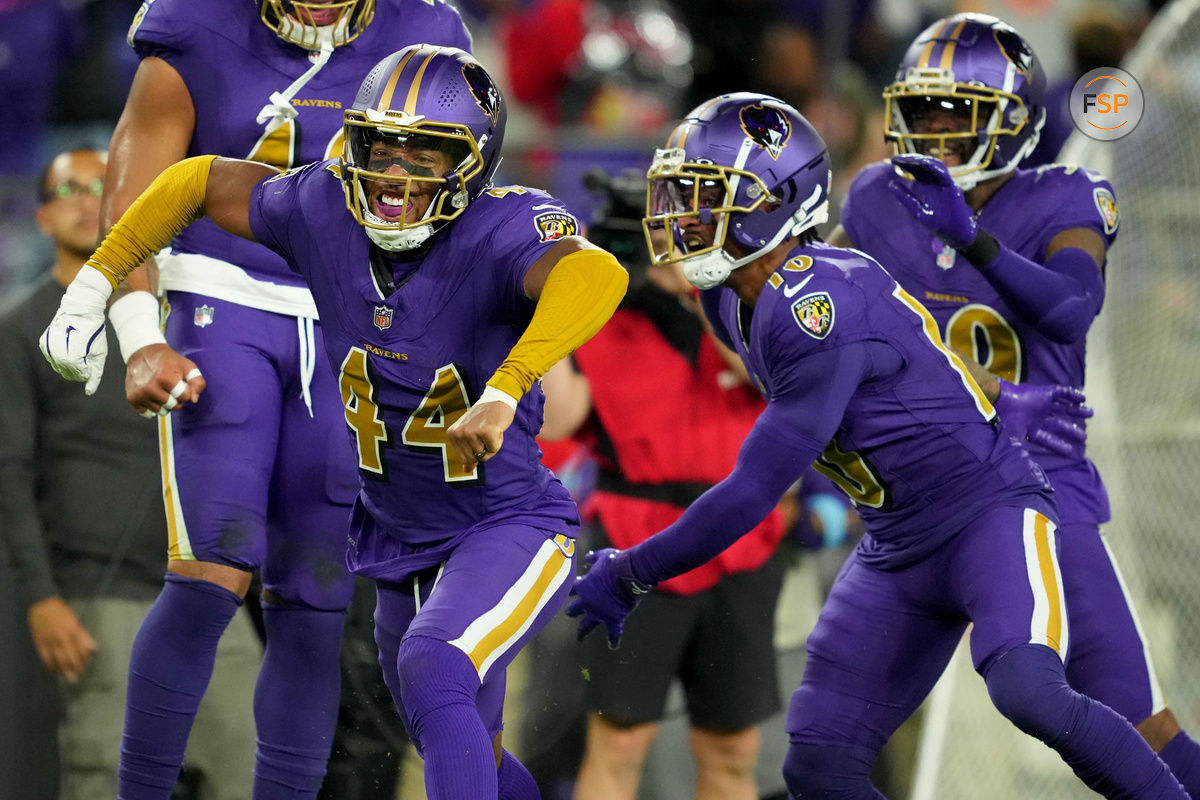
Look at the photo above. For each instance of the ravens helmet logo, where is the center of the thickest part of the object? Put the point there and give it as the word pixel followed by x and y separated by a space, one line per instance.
pixel 767 127
pixel 483 90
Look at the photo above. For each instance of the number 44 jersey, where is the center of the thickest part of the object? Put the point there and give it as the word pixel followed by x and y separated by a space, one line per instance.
pixel 413 342
pixel 1024 214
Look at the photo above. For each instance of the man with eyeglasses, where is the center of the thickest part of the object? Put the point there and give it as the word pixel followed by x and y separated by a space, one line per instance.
pixel 88 571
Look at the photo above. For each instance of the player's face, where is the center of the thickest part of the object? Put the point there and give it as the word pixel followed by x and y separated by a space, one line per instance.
pixel 695 231
pixel 941 116
pixel 71 215
pixel 387 200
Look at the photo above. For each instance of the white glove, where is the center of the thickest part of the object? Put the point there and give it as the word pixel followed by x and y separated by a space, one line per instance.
pixel 75 343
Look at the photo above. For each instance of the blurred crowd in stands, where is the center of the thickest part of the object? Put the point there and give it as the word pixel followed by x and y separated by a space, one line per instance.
pixel 594 83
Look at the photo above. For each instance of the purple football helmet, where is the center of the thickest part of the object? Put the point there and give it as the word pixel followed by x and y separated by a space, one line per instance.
pixel 978 69
pixel 748 163
pixel 315 25
pixel 428 99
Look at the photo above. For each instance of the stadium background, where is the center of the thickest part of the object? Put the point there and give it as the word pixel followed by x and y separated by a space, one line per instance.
pixel 596 83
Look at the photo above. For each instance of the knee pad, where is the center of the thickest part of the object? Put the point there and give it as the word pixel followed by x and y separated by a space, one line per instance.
pixel 1028 685
pixel 815 771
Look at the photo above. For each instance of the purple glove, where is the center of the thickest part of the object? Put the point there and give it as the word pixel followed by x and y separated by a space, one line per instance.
pixel 606 594
pixel 933 199
pixel 1045 414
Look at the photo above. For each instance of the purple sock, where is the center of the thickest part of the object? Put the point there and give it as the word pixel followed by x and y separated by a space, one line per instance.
pixel 1182 755
pixel 296 700
pixel 438 685
pixel 1028 685
pixel 169 669
pixel 515 781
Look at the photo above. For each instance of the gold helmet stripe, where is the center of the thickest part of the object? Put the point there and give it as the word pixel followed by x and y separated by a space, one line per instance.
pixel 385 100
pixel 410 103
pixel 948 51
pixel 923 61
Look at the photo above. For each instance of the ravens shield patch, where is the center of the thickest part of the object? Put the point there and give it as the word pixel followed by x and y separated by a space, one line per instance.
pixel 1106 204
pixel 814 314
pixel 555 225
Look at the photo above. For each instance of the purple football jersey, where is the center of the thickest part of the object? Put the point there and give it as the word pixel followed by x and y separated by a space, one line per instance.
pixel 918 451
pixel 1025 214
pixel 232 63
pixel 411 360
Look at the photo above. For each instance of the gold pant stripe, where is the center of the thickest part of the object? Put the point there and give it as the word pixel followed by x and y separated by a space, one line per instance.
pixel 488 636
pixel 179 547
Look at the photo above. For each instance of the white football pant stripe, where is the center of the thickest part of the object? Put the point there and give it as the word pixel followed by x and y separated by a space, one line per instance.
pixel 490 635
pixel 1048 625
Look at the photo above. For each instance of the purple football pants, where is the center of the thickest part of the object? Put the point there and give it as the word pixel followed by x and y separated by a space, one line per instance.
pixel 252 478
pixel 446 636
pixel 883 639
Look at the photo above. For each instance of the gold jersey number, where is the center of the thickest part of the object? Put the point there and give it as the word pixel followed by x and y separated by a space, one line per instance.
pixel 426 427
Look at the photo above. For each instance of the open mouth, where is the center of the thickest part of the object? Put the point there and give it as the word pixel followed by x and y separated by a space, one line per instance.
pixel 391 207
pixel 319 16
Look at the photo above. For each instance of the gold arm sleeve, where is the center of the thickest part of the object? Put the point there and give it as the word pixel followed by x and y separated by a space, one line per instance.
pixel 581 293
pixel 173 201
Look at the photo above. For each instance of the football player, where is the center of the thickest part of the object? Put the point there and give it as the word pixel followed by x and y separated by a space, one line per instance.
pixel 266 81
pixel 960 523
pixel 443 301
pixel 1010 264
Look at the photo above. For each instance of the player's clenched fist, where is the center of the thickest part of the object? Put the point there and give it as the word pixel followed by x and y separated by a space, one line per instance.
pixel 74 343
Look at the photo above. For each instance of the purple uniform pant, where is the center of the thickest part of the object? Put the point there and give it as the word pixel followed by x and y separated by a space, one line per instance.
pixel 494 592
pixel 251 477
pixel 883 638
pixel 1109 659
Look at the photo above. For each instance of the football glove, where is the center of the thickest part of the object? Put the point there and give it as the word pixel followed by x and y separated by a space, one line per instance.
pixel 606 594
pixel 1046 414
pixel 75 343
pixel 933 199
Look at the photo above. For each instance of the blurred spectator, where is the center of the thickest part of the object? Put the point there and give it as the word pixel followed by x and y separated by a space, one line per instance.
pixel 83 521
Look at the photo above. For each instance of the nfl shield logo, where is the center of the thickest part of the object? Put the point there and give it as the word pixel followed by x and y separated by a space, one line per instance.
pixel 203 316
pixel 383 317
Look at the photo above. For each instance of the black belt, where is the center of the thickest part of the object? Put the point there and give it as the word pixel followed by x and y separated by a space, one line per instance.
pixel 676 493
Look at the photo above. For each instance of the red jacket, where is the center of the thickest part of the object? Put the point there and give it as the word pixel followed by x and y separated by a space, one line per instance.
pixel 663 430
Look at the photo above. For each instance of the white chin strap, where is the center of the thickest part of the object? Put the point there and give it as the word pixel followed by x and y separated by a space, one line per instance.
pixel 330 36
pixel 397 241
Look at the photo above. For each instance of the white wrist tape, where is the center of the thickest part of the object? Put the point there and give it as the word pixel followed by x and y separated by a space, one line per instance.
pixel 492 394
pixel 134 319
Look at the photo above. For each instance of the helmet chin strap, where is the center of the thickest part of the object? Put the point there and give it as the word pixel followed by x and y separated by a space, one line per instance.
pixel 394 239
